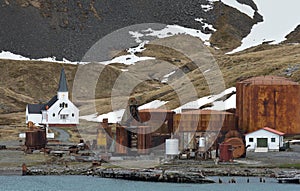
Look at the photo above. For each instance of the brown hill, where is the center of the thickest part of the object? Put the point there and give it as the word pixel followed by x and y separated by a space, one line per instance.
pixel 25 82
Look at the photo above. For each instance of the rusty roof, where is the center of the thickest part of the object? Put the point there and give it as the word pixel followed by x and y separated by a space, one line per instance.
pixel 269 80
pixel 205 112
pixel 270 130
pixel 273 131
pixel 155 110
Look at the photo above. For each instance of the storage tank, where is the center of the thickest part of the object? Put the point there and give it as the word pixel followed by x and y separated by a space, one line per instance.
pixel 268 101
pixel 202 142
pixel 226 152
pixel 35 139
pixel 172 147
pixel 238 146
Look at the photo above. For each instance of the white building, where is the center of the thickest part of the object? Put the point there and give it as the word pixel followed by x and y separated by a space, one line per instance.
pixel 59 111
pixel 264 140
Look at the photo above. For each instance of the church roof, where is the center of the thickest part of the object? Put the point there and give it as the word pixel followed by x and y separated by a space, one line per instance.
pixel 37 108
pixel 62 82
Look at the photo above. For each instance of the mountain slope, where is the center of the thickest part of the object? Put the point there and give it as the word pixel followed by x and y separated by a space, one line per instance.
pixel 33 81
pixel 67 28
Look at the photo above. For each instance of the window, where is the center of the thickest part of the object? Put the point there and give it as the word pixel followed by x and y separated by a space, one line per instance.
pixel 273 140
pixel 250 139
pixel 63 116
pixel 72 114
pixel 63 105
pixel 53 114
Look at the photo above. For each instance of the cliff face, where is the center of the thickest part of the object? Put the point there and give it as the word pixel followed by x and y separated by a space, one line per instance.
pixel 68 28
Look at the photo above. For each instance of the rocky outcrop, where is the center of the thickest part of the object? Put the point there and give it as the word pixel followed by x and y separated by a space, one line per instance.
pixel 68 28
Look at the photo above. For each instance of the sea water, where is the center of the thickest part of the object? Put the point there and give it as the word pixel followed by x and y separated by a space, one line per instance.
pixel 89 183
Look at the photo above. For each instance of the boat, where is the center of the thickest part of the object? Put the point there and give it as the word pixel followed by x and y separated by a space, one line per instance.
pixel 295 178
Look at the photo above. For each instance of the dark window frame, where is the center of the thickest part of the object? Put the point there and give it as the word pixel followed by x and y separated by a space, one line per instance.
pixel 273 140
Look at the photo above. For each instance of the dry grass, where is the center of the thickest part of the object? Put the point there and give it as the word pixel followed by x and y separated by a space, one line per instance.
pixel 31 82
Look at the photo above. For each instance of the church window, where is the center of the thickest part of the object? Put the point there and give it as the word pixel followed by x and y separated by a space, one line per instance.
pixel 72 114
pixel 63 116
pixel 53 114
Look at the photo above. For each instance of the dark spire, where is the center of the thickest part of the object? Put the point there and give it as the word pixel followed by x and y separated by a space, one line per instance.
pixel 62 82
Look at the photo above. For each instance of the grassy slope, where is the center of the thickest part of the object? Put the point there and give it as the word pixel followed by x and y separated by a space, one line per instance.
pixel 24 82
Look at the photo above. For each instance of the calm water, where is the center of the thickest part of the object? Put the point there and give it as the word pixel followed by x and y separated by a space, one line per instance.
pixel 85 183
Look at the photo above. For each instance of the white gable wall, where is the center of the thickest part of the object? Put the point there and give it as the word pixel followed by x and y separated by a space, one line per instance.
pixel 35 118
pixel 272 146
pixel 67 115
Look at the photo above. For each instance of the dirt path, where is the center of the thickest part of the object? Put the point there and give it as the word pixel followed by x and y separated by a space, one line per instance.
pixel 63 135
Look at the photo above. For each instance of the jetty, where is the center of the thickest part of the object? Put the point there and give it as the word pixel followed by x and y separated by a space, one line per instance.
pixel 154 175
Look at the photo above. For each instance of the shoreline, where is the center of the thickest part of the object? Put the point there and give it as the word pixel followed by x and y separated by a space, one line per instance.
pixel 204 171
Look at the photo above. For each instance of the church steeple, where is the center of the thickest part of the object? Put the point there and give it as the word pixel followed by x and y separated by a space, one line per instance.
pixel 62 82
pixel 62 92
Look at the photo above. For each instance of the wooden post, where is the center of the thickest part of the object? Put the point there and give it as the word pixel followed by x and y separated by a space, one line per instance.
pixel 24 169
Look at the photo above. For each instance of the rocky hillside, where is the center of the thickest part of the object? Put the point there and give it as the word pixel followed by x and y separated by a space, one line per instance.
pixel 25 82
pixel 68 28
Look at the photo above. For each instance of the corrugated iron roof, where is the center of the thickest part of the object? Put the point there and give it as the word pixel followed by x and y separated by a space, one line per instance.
pixel 205 112
pixel 270 130
pixel 155 110
pixel 269 80
pixel 273 131
pixel 37 108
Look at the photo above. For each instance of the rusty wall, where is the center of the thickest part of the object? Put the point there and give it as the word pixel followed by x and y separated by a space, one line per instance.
pixel 187 122
pixel 276 106
pixel 160 121
pixel 121 140
pixel 144 139
pixel 35 139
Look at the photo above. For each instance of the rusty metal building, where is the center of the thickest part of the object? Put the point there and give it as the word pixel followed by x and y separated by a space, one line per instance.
pixel 35 139
pixel 268 101
pixel 160 120
pixel 204 120
pixel 212 124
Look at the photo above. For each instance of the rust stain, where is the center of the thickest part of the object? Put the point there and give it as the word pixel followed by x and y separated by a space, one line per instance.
pixel 268 101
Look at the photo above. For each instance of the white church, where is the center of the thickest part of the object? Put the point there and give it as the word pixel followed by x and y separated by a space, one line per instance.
pixel 59 111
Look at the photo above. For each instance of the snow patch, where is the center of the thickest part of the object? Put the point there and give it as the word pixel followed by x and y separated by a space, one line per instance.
pixel 139 48
pixel 209 7
pixel 205 25
pixel 280 18
pixel 168 31
pixel 153 104
pixel 217 105
pixel 246 9
pixel 11 56
pixel 117 115
pixel 127 59
pixel 166 77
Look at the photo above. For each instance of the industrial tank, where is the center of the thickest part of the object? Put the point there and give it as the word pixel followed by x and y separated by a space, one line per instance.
pixel 172 146
pixel 238 146
pixel 202 142
pixel 268 101
pixel 226 152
